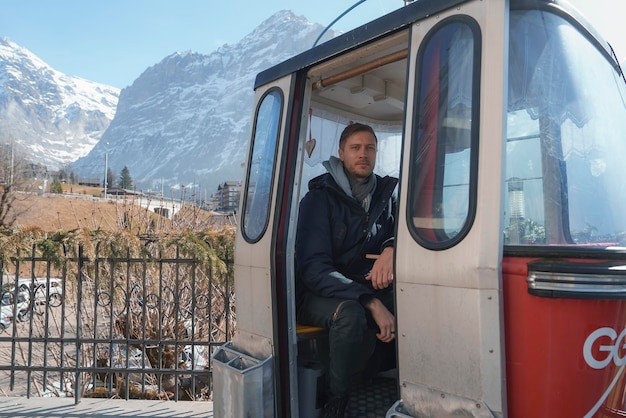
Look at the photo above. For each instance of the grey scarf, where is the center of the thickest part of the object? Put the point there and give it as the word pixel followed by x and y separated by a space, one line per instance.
pixel 361 191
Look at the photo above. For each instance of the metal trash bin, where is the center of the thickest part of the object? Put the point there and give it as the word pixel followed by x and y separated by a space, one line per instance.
pixel 242 385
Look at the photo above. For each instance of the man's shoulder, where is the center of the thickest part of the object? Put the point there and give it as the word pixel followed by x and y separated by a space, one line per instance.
pixel 386 181
pixel 326 183
pixel 320 181
pixel 317 186
pixel 323 190
pixel 386 178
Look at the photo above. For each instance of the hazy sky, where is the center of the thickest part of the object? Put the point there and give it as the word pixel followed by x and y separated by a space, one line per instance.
pixel 114 41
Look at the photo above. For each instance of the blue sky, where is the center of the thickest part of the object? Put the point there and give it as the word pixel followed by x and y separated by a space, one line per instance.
pixel 114 41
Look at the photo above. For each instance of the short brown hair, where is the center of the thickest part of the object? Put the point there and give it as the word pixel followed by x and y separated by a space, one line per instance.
pixel 352 129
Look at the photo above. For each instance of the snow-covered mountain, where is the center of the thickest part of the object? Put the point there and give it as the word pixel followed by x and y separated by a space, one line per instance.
pixel 186 119
pixel 51 118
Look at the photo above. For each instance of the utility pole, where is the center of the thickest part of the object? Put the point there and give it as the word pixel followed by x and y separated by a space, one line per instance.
pixel 106 168
pixel 12 162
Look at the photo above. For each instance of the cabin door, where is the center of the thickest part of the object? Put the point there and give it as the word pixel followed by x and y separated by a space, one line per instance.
pixel 449 240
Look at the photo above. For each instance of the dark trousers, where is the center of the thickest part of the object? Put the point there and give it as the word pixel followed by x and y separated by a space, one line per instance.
pixel 351 337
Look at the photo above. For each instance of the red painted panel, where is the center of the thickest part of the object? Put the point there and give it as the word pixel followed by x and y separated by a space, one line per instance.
pixel 549 372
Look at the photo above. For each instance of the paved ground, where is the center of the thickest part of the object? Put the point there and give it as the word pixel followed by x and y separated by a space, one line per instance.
pixel 363 404
pixel 19 407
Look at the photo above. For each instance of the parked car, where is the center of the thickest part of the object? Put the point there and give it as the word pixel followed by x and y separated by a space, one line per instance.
pixel 8 303
pixel 52 293
pixel 5 318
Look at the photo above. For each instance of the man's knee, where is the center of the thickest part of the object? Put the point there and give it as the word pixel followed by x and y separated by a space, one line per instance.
pixel 350 317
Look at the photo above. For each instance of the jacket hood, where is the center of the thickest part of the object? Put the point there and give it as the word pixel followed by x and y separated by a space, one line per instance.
pixel 335 167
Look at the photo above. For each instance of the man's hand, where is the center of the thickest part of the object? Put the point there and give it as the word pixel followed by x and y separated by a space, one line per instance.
pixel 381 274
pixel 384 319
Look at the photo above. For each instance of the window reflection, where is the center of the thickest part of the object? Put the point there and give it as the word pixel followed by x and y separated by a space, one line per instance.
pixel 565 137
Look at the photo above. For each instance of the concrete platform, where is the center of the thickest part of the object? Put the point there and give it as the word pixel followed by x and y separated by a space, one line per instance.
pixel 18 407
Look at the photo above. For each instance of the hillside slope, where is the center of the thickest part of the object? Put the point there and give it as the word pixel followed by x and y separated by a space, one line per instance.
pixel 52 212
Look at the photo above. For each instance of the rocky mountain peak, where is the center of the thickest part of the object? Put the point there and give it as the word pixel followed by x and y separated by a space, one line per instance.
pixel 52 118
pixel 186 119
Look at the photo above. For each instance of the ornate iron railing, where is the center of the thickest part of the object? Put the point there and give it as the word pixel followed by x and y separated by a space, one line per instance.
pixel 104 324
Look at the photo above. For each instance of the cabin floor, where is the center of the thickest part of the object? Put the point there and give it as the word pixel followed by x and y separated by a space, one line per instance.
pixel 369 399
pixel 373 399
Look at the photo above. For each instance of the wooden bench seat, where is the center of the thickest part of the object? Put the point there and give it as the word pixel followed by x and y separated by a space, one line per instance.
pixel 308 330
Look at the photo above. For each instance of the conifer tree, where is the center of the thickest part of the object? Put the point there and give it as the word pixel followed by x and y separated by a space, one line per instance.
pixel 126 182
pixel 56 187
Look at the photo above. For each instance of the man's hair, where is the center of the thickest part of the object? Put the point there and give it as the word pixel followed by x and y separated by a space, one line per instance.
pixel 352 129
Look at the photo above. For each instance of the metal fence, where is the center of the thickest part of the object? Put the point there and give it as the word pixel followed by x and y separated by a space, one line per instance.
pixel 113 323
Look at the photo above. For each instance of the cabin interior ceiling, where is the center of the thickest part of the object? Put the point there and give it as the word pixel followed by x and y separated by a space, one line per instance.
pixel 371 95
pixel 377 94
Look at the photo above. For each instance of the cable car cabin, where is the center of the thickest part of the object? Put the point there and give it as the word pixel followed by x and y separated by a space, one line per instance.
pixel 505 122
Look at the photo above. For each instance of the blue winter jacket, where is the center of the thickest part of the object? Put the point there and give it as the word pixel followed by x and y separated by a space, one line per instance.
pixel 335 233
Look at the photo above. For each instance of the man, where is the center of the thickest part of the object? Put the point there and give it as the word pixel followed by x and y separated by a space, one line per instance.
pixel 344 260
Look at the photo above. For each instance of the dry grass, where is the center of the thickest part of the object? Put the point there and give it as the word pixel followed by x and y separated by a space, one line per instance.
pixel 54 213
pixel 51 213
pixel 82 207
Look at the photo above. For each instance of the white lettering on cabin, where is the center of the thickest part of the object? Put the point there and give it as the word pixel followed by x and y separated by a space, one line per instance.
pixel 608 351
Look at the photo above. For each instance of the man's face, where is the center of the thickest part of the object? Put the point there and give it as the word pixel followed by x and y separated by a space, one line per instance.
pixel 359 155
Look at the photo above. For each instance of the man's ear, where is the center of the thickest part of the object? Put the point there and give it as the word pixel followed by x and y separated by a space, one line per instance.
pixel 340 152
